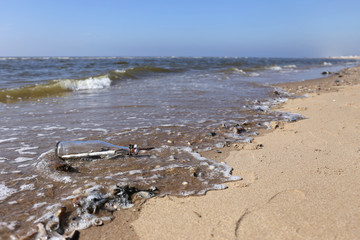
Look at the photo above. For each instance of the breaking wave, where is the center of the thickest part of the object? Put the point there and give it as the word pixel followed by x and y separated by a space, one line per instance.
pixel 89 83
pixel 233 70
pixel 55 88
pixel 275 68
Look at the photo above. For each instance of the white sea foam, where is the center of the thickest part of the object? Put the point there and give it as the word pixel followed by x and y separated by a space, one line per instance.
pixel 290 66
pixel 247 139
pixel 27 187
pixel 23 150
pixel 42 165
pixel 37 205
pixel 89 83
pixel 44 217
pixel 54 206
pixel 327 64
pixel 254 74
pixel 5 192
pixel 219 145
pixel 68 197
pixel 292 117
pixel 9 225
pixel 237 70
pixel 23 165
pixel 275 68
pixel 52 128
pixel 29 219
pixel 267 125
pixel 164 168
pixel 7 140
pixel 88 129
pixel 22 159
pixel 40 194
pixel 132 172
pixel 261 108
pixel 24 178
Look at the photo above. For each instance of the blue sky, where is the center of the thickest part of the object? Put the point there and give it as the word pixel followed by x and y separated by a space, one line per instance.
pixel 253 28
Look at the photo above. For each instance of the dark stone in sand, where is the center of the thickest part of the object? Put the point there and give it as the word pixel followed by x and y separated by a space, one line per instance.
pixel 277 93
pixel 238 129
pixel 259 146
pixel 326 73
pixel 59 165
pixel 212 134
pixel 66 168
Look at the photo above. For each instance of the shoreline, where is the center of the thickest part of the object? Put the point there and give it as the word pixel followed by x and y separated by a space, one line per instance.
pixel 290 179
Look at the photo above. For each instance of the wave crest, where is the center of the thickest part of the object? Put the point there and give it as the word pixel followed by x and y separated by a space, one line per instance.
pixel 86 84
pixel 53 88
pixel 233 70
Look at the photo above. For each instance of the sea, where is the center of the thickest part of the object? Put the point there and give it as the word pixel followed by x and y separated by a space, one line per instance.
pixel 177 107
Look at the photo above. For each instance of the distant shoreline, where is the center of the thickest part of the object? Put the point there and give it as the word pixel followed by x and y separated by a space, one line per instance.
pixel 344 57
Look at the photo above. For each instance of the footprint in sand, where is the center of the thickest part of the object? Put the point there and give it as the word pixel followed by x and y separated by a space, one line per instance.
pixel 248 179
pixel 279 216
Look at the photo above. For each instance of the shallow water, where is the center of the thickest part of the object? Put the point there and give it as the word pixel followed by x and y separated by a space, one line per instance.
pixel 179 106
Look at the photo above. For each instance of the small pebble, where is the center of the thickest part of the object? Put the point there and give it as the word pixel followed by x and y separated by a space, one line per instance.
pixel 185 183
pixel 212 134
pixel 211 167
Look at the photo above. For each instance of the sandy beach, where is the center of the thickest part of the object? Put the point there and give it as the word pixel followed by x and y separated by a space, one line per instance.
pixel 300 179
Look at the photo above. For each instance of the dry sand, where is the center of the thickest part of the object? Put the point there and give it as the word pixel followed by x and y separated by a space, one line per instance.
pixel 303 183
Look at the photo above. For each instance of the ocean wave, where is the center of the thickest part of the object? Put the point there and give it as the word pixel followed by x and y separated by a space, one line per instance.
pixel 53 88
pixel 275 68
pixel 233 70
pixel 327 64
pixel 254 74
pixel 141 70
pixel 290 66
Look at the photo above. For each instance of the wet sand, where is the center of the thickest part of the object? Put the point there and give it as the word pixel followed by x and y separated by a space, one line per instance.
pixel 300 179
